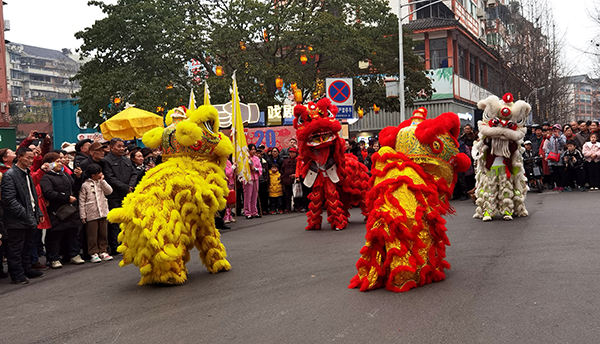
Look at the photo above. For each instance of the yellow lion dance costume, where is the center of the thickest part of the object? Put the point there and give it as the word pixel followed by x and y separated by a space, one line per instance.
pixel 414 174
pixel 172 209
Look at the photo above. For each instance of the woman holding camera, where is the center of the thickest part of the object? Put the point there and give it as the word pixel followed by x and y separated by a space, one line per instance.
pixel 57 188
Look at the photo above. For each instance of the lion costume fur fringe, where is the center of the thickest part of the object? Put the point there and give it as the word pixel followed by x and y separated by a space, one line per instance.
pixel 172 208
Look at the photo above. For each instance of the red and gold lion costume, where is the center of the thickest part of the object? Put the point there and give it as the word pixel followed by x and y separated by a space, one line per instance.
pixel 338 180
pixel 413 176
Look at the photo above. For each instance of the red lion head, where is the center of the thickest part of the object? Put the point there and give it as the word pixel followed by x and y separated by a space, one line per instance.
pixel 317 128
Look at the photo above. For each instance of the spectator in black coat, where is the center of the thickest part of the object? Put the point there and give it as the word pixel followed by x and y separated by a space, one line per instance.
pixel 82 152
pixel 137 158
pixel 288 177
pixel 21 216
pixel 122 176
pixel 57 188
pixel 96 151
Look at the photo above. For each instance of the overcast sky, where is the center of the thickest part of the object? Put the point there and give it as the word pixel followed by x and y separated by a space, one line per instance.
pixel 52 24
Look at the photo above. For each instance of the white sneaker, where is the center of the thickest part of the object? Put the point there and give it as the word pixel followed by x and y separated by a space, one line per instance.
pixel 55 264
pixel 95 258
pixel 105 256
pixel 77 260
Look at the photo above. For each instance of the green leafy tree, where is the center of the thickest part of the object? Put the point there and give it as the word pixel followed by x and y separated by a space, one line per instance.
pixel 144 45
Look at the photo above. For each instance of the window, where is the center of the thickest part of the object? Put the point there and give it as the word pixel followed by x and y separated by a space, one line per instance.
pixel 438 51
pixel 585 98
pixel 437 10
pixel 14 58
pixel 419 50
pixel 461 61
pixel 472 69
pixel 16 91
pixel 16 74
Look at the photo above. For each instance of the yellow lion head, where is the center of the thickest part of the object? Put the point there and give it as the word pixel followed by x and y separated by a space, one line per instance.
pixel 196 134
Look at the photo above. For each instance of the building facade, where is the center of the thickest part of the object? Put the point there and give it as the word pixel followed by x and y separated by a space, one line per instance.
pixel 38 75
pixel 584 98
pixel 458 42
pixel 4 91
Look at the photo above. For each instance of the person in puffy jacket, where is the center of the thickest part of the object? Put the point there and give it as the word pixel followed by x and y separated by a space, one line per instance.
pixel 574 172
pixel 555 144
pixel 251 186
pixel 591 153
pixel 93 208
pixel 57 188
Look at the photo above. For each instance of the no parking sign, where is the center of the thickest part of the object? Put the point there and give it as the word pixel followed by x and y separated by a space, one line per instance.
pixel 340 92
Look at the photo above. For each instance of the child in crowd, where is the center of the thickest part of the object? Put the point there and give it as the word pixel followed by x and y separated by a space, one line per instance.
pixel 528 158
pixel 275 190
pixel 93 208
pixel 591 153
pixel 574 171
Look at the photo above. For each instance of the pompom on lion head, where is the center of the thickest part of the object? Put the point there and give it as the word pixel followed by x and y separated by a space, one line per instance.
pixel 503 117
pixel 193 133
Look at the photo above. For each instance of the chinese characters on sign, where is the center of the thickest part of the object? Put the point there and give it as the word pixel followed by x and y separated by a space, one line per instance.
pixel 276 113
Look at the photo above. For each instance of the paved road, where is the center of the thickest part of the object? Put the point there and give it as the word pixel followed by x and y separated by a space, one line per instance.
pixel 532 280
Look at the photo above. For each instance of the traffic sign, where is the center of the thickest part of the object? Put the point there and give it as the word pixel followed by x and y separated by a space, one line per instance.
pixel 340 91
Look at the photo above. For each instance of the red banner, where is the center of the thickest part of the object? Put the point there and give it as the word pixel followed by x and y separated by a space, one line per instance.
pixel 269 136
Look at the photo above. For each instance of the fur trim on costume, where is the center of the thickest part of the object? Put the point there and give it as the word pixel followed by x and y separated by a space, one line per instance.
pixel 172 209
pixel 406 234
pixel 500 190
pixel 320 145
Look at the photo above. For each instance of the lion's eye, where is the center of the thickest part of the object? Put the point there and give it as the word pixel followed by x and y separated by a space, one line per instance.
pixel 300 120
pixel 330 114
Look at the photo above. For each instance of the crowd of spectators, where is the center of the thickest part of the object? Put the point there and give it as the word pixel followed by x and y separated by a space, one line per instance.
pixel 55 202
pixel 569 154
pixel 271 189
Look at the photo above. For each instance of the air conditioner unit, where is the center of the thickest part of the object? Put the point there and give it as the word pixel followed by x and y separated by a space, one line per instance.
pixel 480 13
pixel 491 3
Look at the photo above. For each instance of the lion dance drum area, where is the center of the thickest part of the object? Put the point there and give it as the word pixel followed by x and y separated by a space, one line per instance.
pixel 413 176
pixel 172 209
pixel 338 180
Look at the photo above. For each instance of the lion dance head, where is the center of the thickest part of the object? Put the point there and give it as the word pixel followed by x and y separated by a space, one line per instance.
pixel 317 129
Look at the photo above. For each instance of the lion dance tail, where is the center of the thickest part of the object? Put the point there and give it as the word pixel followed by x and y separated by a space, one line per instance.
pixel 406 238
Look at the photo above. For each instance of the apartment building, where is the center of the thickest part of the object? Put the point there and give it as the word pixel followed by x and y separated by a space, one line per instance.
pixel 37 75
pixel 458 41
pixel 584 98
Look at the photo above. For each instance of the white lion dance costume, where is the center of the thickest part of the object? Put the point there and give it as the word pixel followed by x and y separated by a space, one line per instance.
pixel 501 180
pixel 172 208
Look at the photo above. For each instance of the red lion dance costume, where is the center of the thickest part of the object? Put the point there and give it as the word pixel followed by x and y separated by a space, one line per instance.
pixel 338 180
pixel 413 176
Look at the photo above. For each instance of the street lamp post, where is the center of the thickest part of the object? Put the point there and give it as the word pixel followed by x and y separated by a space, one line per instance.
pixel 401 55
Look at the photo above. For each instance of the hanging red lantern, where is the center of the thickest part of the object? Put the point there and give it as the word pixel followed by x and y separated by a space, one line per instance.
pixel 298 95
pixel 294 86
pixel 169 86
pixel 376 108
pixel 219 71
pixel 242 46
pixel 279 83
pixel 361 113
pixel 303 59
pixel 117 101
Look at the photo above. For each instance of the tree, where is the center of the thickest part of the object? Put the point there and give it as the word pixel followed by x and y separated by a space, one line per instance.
pixel 143 46
pixel 532 58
